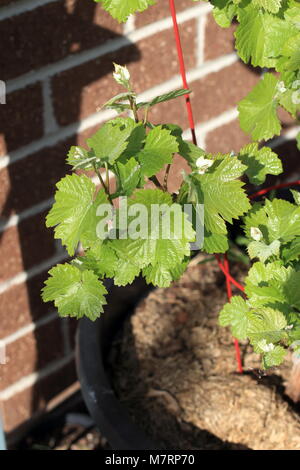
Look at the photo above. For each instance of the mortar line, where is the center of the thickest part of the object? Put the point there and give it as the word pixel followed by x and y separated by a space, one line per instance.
pixel 32 379
pixel 67 131
pixel 80 58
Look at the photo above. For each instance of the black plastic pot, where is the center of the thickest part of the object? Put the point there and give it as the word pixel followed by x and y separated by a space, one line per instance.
pixel 93 344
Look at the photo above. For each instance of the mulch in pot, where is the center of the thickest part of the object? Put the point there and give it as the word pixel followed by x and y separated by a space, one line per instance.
pixel 173 367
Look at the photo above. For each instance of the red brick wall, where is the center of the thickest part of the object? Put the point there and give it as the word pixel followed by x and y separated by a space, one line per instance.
pixel 56 59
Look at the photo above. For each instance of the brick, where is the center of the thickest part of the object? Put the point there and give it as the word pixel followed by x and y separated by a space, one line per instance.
pixel 226 138
pixel 79 92
pixel 25 245
pixel 286 119
pixel 50 33
pixel 32 179
pixel 172 112
pixel 218 41
pixel 33 400
pixel 222 90
pixel 22 304
pixel 175 176
pixel 159 60
pixel 159 11
pixel 21 118
pixel 212 95
pixel 32 352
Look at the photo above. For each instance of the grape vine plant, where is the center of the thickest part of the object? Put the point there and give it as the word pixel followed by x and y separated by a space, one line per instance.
pixel 134 151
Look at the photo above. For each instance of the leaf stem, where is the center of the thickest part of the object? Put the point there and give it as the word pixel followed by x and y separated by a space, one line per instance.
pixel 165 185
pixel 107 177
pixel 133 108
pixel 104 185
pixel 146 116
pixel 156 182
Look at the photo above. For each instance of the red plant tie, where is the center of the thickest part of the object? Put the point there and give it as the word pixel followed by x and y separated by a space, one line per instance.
pixel 229 295
pixel 225 267
pixel 232 280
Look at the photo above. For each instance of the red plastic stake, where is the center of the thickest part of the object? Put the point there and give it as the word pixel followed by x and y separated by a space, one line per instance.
pixel 224 268
pixel 182 70
pixel 229 295
pixel 271 188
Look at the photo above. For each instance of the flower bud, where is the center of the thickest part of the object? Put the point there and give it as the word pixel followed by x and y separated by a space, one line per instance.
pixel 122 75
pixel 256 234
pixel 203 164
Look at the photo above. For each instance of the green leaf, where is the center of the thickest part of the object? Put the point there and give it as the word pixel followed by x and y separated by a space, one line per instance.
pixel 74 210
pixel 163 246
pixel 215 242
pixel 235 314
pixel 111 140
pixel 223 197
pixel 187 150
pixel 292 12
pixel 161 275
pixel 260 162
pixel 190 153
pixel 298 141
pixel 260 36
pixel 296 196
pixel 100 258
pixel 274 357
pixel 165 97
pixel 291 251
pixel 75 293
pixel 121 9
pixel 273 284
pixel 135 143
pixel 118 107
pixel 272 6
pixel 267 324
pixel 291 51
pixel 120 97
pixel 258 278
pixel 79 157
pixel 158 151
pixel 258 285
pixel 126 272
pixel 288 102
pixel 128 177
pixel 264 326
pixel 262 251
pixel 257 111
pixel 276 219
pixel 224 11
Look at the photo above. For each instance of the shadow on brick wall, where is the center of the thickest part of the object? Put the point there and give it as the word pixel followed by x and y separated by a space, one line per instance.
pixel 32 179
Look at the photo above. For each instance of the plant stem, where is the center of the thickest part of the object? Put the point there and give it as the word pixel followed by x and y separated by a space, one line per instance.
pixel 156 182
pixel 166 177
pixel 146 116
pixel 103 184
pixel 133 108
pixel 107 177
